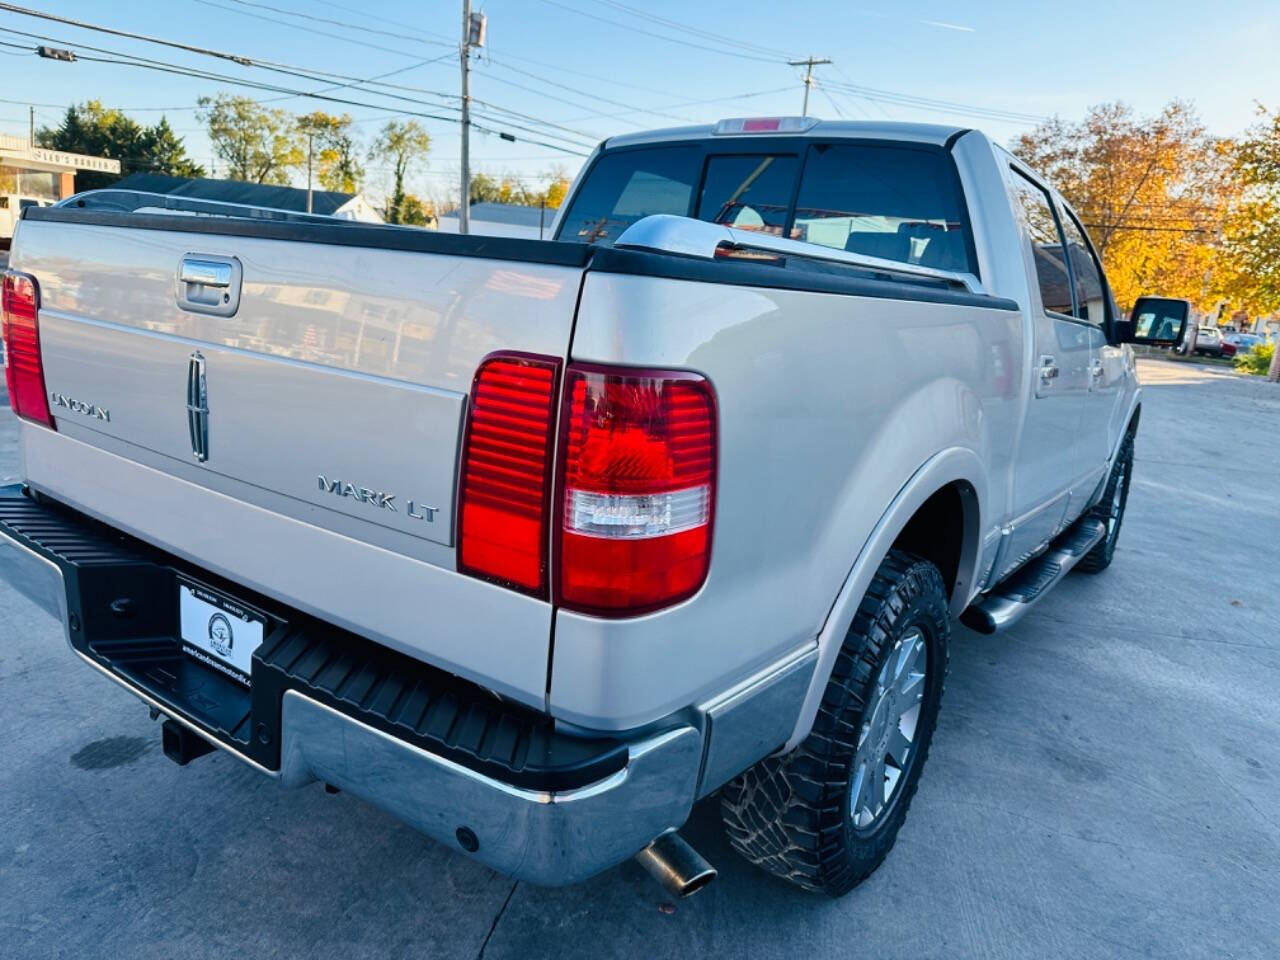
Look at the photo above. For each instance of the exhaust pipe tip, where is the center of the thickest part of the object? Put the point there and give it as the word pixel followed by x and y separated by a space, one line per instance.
pixel 680 869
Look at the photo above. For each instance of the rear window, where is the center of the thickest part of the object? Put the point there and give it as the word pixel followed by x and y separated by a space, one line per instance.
pixel 627 186
pixel 891 202
pixel 894 202
pixel 749 192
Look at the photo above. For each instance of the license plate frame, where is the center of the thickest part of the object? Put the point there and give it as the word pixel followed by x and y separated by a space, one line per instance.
pixel 219 631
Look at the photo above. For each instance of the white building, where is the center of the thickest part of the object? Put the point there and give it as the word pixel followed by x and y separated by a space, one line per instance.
pixel 503 220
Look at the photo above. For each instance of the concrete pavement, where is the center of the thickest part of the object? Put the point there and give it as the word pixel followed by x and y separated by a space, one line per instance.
pixel 1105 782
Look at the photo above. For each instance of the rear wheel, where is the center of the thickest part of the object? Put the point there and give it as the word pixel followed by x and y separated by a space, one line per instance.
pixel 1110 510
pixel 825 815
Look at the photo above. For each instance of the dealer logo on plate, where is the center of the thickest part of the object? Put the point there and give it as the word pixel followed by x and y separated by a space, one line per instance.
pixel 220 635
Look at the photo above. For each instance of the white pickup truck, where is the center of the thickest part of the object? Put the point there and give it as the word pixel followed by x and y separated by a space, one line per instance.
pixel 537 544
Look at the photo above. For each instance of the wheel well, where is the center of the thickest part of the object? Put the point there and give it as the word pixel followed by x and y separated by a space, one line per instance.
pixel 944 531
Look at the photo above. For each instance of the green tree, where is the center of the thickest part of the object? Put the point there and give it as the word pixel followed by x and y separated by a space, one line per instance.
pixel 100 131
pixel 414 212
pixel 258 144
pixel 400 145
pixel 485 189
pixel 333 150
pixel 511 188
pixel 1257 361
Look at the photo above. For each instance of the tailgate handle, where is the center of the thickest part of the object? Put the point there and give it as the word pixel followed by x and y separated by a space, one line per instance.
pixel 209 284
pixel 205 272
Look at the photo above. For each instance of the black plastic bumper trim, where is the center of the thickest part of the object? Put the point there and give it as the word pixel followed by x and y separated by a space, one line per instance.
pixel 122 614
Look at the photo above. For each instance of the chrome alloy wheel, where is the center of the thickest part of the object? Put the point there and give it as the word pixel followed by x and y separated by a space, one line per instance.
pixel 887 740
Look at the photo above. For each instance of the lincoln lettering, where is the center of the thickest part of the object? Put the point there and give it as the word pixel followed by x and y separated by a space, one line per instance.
pixel 79 406
pixel 377 498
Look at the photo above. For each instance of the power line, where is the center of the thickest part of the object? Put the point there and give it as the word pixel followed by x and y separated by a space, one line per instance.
pixel 287 69
pixel 689 28
pixel 694 103
pixel 305 73
pixel 206 75
pixel 319 76
pixel 631 28
pixel 581 73
pixel 337 23
pixel 945 106
pixel 590 96
pixel 298 26
pixel 346 8
pixel 28 12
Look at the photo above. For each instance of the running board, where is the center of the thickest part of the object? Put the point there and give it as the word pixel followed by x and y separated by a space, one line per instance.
pixel 1006 604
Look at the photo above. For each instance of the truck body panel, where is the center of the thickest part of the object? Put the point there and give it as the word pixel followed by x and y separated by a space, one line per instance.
pixel 342 363
pixel 283 410
pixel 780 408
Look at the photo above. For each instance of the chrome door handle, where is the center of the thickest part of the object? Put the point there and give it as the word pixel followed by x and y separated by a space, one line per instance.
pixel 205 272
pixel 1048 370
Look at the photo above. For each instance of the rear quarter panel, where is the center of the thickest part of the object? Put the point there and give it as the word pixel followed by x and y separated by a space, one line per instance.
pixel 828 405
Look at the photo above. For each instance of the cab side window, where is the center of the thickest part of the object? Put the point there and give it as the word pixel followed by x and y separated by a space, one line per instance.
pixel 1035 209
pixel 1091 292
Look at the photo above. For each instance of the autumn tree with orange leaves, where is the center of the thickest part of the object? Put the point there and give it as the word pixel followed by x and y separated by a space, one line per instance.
pixel 1152 191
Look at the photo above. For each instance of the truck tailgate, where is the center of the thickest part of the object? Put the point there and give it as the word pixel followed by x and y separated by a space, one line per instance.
pixel 307 444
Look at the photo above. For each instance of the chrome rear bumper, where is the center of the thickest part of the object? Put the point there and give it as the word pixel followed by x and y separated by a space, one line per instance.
pixel 546 837
pixel 555 836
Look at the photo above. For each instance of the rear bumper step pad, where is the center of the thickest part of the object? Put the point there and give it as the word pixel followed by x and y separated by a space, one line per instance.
pixel 120 612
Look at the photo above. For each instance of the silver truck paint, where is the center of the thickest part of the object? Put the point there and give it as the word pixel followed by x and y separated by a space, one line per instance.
pixel 336 394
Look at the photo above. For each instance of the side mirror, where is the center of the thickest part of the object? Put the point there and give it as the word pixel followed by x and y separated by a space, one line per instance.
pixel 1155 321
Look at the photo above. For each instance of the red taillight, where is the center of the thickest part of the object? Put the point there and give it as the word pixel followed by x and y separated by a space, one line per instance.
pixel 24 368
pixel 506 472
pixel 761 125
pixel 637 489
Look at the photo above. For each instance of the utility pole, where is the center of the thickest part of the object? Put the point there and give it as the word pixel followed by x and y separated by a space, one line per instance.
pixel 464 207
pixel 810 63
pixel 473 29
pixel 310 137
pixel 32 116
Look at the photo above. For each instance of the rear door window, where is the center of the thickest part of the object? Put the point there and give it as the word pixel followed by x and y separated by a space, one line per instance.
pixel 1091 293
pixel 627 186
pixel 749 192
pixel 896 203
pixel 1035 209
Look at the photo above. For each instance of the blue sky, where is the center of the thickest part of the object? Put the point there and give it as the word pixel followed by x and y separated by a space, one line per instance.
pixel 593 68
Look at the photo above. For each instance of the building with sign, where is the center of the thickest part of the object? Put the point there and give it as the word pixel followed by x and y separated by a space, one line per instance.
pixel 49 175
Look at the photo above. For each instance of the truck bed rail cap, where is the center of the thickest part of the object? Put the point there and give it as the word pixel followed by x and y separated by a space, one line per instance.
pixel 687 237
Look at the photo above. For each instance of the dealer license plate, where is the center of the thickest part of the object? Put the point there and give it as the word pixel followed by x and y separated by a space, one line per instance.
pixel 217 631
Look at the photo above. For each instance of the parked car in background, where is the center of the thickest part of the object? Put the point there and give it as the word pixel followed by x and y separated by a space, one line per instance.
pixel 1208 342
pixel 1242 342
pixel 11 207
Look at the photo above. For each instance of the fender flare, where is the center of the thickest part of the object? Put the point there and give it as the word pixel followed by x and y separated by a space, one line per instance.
pixel 1130 423
pixel 944 468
